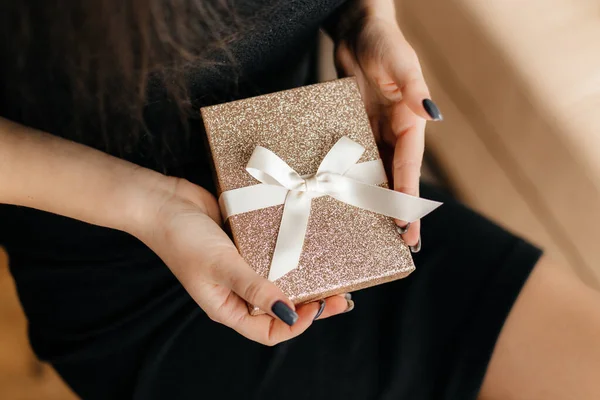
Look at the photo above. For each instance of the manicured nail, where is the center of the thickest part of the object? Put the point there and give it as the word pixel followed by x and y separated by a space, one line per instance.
pixel 321 308
pixel 350 306
pixel 417 247
pixel 432 110
pixel 348 296
pixel 403 230
pixel 284 313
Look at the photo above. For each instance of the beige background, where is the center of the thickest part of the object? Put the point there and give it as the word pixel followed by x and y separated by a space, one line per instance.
pixel 519 84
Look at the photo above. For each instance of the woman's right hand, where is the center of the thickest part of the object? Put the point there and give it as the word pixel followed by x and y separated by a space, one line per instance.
pixel 185 232
pixel 179 221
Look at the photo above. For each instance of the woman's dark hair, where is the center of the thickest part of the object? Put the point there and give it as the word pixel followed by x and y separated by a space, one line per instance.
pixel 99 56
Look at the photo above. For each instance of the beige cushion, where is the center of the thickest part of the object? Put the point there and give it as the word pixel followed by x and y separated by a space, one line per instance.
pixel 519 83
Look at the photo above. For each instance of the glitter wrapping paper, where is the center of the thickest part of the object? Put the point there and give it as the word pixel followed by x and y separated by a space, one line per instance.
pixel 345 248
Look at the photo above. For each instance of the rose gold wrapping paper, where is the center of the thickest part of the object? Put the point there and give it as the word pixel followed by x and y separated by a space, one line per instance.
pixel 346 248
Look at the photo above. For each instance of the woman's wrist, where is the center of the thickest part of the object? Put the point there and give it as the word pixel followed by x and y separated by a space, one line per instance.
pixel 156 199
pixel 352 14
pixel 142 195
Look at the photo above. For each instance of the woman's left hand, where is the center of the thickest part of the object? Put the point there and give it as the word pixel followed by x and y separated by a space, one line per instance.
pixel 392 85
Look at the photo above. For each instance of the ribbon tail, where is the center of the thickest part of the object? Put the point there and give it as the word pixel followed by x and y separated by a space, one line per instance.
pixel 290 239
pixel 380 200
pixel 250 198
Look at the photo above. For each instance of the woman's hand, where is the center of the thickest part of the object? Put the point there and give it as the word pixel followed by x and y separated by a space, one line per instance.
pixel 187 235
pixel 371 46
pixel 179 221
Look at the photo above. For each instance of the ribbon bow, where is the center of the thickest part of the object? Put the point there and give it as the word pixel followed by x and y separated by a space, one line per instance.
pixel 338 176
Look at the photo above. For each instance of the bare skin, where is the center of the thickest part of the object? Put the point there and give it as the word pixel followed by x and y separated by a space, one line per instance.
pixel 549 348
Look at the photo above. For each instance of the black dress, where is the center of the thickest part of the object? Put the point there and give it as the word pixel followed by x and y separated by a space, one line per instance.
pixel 115 323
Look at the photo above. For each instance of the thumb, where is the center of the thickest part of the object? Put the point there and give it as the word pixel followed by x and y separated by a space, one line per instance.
pixel 405 72
pixel 415 94
pixel 234 273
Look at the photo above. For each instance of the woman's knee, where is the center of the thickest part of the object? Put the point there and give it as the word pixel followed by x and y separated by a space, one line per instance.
pixel 549 347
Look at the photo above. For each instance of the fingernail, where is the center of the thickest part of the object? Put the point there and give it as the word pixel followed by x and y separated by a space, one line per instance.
pixel 401 230
pixel 350 306
pixel 348 296
pixel 432 110
pixel 321 308
pixel 417 247
pixel 284 313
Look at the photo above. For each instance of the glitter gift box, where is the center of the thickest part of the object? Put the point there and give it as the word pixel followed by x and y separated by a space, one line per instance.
pixel 345 248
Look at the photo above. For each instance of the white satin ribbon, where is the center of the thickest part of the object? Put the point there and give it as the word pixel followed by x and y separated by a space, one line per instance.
pixel 338 176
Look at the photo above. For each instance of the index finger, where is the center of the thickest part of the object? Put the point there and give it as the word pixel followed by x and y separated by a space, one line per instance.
pixel 403 67
pixel 283 323
pixel 263 328
pixel 415 93
pixel 409 130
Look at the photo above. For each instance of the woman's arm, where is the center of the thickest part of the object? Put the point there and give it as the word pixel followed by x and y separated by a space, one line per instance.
pixel 179 221
pixel 52 174
pixel 370 45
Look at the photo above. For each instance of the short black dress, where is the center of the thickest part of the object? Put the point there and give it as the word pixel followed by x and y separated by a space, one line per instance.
pixel 116 324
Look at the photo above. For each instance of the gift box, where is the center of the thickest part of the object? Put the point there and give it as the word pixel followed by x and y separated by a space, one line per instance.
pixel 304 193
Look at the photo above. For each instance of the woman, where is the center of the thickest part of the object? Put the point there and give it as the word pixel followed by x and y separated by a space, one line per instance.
pixel 110 217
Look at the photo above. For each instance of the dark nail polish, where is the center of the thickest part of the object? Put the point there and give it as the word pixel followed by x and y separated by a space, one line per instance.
pixel 417 247
pixel 284 313
pixel 403 230
pixel 321 308
pixel 432 110
pixel 350 306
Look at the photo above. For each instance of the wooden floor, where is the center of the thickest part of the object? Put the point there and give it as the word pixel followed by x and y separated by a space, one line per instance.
pixel 22 376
